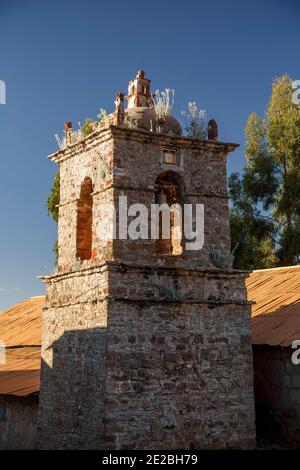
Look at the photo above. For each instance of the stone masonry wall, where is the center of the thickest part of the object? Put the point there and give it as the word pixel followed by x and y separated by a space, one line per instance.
pixel 277 389
pixel 134 159
pixel 179 372
pixel 171 383
pixel 72 398
pixel 203 174
pixel 140 370
pixel 143 350
pixel 92 160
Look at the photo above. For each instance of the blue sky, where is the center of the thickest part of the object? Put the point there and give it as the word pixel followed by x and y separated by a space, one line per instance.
pixel 63 60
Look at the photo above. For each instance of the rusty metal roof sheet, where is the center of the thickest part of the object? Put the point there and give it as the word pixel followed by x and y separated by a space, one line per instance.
pixel 21 325
pixel 21 373
pixel 276 313
pixel 20 330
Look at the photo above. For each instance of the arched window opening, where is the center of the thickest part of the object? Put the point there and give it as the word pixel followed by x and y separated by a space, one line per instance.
pixel 84 221
pixel 169 191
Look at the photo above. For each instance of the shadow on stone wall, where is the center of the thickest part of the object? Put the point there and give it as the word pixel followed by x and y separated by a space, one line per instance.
pixel 72 392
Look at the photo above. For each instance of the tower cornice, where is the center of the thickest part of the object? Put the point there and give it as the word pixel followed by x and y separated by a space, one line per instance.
pixel 106 133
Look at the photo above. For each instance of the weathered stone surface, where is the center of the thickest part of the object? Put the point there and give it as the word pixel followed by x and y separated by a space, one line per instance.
pixel 142 350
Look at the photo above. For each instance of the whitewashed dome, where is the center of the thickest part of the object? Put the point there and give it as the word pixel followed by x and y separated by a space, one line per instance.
pixel 140 112
pixel 145 118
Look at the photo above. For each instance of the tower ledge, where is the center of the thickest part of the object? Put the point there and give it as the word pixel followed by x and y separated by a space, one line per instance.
pixel 105 133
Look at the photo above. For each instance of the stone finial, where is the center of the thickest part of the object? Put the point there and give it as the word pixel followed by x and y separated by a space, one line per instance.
pixel 212 130
pixel 68 131
pixel 139 92
pixel 119 112
pixel 140 74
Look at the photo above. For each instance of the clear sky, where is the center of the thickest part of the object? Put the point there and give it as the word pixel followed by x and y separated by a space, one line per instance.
pixel 63 60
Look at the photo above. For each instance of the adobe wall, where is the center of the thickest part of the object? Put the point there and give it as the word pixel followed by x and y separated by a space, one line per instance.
pixel 18 428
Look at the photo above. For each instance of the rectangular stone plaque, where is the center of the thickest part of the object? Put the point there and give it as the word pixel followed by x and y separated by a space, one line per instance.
pixel 170 157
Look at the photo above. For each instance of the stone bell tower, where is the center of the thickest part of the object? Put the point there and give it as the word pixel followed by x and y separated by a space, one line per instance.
pixel 146 342
pixel 139 92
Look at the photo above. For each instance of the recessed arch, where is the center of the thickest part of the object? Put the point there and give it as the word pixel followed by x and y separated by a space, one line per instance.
pixel 84 221
pixel 169 189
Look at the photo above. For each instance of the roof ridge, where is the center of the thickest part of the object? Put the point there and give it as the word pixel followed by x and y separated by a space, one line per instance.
pixel 277 268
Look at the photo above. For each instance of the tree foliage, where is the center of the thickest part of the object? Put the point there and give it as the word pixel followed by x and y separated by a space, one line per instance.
pixel 54 198
pixel 265 199
pixel 53 203
pixel 88 126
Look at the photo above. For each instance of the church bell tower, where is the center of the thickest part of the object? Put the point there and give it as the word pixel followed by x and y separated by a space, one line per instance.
pixel 146 342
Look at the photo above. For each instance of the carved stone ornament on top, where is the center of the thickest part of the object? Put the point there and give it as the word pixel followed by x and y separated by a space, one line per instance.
pixel 68 132
pixel 119 111
pixel 212 130
pixel 139 92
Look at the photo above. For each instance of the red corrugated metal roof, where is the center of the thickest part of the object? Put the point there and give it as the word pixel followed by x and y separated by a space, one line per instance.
pixel 21 373
pixel 20 331
pixel 21 325
pixel 276 313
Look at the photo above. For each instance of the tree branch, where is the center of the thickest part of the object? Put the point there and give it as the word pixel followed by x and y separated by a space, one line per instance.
pixel 272 220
